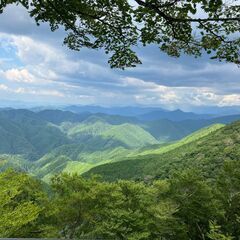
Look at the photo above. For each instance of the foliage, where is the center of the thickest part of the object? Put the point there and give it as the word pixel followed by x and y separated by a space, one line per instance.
pixel 186 206
pixel 123 210
pixel 24 209
pixel 189 26
pixel 215 233
pixel 198 200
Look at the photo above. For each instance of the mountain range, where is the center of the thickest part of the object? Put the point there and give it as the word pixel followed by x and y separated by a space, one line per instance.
pixel 51 141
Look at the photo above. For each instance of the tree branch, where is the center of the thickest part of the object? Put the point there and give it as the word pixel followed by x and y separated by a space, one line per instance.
pixel 213 33
pixel 173 19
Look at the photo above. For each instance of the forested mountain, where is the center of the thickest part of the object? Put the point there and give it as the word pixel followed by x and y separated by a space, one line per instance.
pixel 176 115
pixel 166 130
pixel 207 154
pixel 23 132
pixel 54 141
pixel 93 143
pixel 58 116
pixel 144 113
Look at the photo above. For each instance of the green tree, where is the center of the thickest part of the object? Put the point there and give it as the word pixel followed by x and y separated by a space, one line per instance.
pixel 118 26
pixel 216 234
pixel 122 210
pixel 228 192
pixel 196 202
pixel 23 207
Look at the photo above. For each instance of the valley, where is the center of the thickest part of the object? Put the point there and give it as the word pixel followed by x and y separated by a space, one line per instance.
pixel 49 142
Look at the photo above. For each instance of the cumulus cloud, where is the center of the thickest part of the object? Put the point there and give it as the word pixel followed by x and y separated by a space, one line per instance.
pixel 150 93
pixel 230 100
pixel 19 75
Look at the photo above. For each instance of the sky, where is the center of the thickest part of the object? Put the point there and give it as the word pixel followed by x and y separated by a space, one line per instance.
pixel 36 68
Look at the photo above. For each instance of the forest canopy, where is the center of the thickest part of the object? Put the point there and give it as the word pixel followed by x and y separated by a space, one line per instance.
pixel 185 206
pixel 190 27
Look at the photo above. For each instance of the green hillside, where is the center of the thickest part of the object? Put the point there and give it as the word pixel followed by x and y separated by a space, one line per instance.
pixel 88 128
pixel 95 144
pixel 52 141
pixel 101 133
pixel 190 138
pixel 58 116
pixel 166 130
pixel 65 157
pixel 92 142
pixel 16 162
pixel 22 132
pixel 131 135
pixel 207 153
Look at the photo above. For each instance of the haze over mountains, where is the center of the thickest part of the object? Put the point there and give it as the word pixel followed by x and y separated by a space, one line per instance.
pixel 46 142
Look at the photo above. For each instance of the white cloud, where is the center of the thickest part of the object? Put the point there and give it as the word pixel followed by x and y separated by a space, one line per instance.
pixel 50 61
pixel 150 93
pixel 230 100
pixel 3 87
pixel 19 75
pixel 31 91
pixel 38 92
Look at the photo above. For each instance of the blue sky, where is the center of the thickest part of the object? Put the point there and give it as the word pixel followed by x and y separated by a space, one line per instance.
pixel 35 67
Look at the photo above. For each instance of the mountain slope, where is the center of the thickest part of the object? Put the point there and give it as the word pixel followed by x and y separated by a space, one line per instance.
pixel 146 113
pixel 22 132
pixel 190 138
pixel 98 134
pixel 131 135
pixel 176 115
pixel 14 161
pixel 58 116
pixel 207 153
pixel 94 144
pixel 166 130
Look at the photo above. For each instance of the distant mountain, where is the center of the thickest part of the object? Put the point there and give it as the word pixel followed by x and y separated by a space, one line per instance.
pixel 23 132
pixel 166 130
pixel 216 110
pixel 123 111
pixel 58 116
pixel 207 153
pixel 176 115
pixel 144 114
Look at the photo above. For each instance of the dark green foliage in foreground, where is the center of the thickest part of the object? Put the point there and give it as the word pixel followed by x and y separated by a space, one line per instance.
pixel 207 154
pixel 187 206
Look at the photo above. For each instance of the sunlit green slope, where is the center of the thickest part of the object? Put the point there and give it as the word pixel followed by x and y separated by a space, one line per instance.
pixel 93 144
pixel 206 153
pixel 190 138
